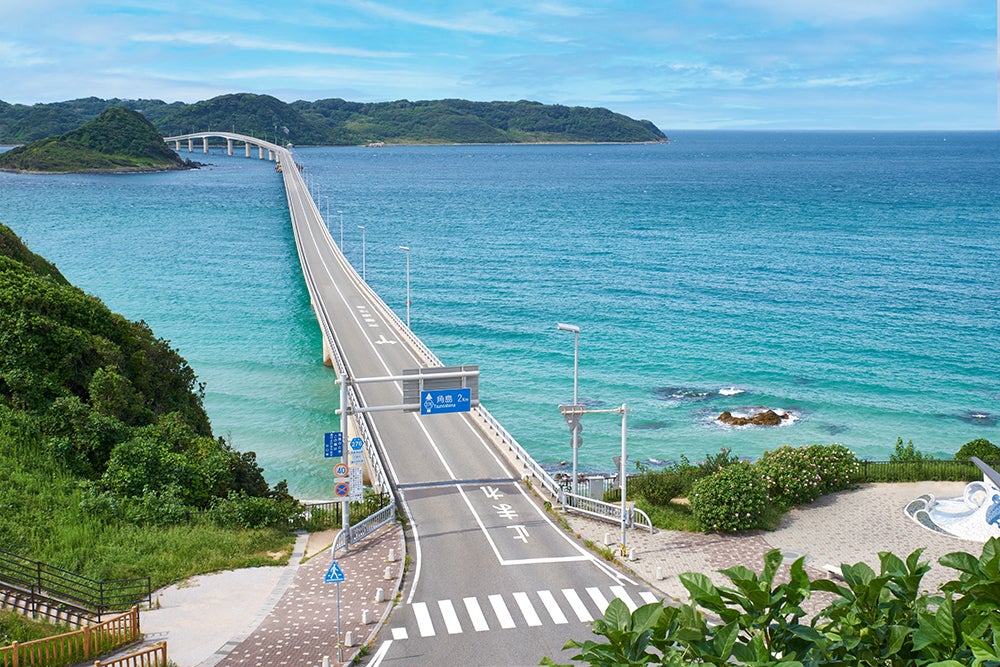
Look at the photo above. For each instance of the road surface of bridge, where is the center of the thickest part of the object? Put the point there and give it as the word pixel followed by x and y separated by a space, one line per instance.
pixel 493 580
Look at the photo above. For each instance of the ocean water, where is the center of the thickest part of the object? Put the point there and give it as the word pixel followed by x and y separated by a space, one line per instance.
pixel 846 279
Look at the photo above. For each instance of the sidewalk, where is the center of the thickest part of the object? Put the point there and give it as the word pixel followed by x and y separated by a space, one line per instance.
pixel 845 527
pixel 279 615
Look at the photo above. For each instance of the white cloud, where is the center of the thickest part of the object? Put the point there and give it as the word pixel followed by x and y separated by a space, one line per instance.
pixel 13 54
pixel 253 43
pixel 480 22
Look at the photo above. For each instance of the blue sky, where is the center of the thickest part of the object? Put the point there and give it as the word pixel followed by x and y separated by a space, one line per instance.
pixel 713 64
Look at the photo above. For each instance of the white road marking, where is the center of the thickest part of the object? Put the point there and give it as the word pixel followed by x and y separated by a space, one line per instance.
pixel 400 633
pixel 552 607
pixel 598 597
pixel 647 597
pixel 620 593
pixel 476 614
pixel 503 614
pixel 579 608
pixel 451 622
pixel 529 613
pixel 424 623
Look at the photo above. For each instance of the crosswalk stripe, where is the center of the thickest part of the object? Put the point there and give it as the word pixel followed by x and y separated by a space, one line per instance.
pixel 400 633
pixel 598 597
pixel 576 603
pixel 527 610
pixel 451 623
pixel 503 614
pixel 622 595
pixel 424 623
pixel 476 614
pixel 647 597
pixel 552 607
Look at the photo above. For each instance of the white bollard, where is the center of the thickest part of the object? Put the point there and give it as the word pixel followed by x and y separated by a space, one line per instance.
pixel 631 554
pixel 348 638
pixel 366 617
pixel 659 574
pixel 379 595
pixel 388 573
pixel 326 661
pixel 609 539
pixel 392 556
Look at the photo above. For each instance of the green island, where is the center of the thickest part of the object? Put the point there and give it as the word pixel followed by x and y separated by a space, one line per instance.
pixel 108 465
pixel 117 140
pixel 337 122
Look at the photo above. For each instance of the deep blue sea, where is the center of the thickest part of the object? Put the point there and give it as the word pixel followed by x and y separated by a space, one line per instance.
pixel 848 279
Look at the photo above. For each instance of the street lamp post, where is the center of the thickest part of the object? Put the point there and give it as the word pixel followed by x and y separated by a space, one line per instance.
pixel 341 230
pixel 406 249
pixel 575 443
pixel 363 273
pixel 621 472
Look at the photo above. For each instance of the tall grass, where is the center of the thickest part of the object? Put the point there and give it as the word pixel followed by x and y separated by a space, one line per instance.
pixel 41 518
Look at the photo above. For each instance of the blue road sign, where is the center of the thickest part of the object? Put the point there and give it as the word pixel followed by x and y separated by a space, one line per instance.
pixel 357 444
pixel 334 575
pixel 333 445
pixel 439 401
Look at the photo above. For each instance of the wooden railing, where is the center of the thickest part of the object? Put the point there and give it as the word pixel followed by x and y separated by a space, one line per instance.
pixel 76 646
pixel 153 656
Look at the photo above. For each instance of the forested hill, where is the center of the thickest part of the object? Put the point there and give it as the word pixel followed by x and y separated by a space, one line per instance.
pixel 119 139
pixel 339 122
pixel 95 406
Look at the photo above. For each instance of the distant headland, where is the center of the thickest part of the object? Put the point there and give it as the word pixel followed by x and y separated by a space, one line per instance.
pixel 337 122
pixel 118 140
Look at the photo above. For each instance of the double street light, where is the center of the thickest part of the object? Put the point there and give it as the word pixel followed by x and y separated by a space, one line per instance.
pixel 363 274
pixel 575 442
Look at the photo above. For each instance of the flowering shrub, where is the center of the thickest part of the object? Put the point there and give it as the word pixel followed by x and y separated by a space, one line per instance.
pixel 731 500
pixel 796 475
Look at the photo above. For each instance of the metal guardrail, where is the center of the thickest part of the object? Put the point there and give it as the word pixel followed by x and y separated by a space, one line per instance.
pixel 364 528
pixel 611 512
pixel 53 586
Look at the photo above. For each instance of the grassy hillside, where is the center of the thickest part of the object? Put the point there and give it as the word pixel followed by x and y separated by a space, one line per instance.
pixel 117 140
pixel 108 466
pixel 339 122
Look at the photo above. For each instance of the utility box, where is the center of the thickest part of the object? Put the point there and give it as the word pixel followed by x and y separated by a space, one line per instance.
pixel 596 487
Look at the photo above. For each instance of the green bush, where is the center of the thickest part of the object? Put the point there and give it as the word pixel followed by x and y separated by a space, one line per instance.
pixel 239 510
pixel 658 487
pixel 981 448
pixel 733 499
pixel 796 475
pixel 908 453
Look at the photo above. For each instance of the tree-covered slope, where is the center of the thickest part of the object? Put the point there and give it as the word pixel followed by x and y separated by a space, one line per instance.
pixel 340 122
pixel 118 139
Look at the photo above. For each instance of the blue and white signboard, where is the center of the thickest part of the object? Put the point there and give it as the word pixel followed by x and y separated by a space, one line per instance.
pixel 333 445
pixel 334 575
pixel 439 401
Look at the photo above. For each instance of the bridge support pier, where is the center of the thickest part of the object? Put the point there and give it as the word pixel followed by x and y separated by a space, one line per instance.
pixel 190 145
pixel 177 145
pixel 247 147
pixel 270 155
pixel 260 152
pixel 229 147
pixel 204 145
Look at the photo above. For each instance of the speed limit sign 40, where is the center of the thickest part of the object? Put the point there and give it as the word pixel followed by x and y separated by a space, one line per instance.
pixel 341 470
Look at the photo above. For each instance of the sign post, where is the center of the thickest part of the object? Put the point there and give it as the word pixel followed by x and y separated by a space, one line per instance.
pixel 334 576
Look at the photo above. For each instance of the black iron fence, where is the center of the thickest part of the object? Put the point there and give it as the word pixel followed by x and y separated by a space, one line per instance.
pixel 53 587
pixel 916 471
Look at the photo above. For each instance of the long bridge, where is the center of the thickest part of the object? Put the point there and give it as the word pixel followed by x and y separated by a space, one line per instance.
pixel 494 580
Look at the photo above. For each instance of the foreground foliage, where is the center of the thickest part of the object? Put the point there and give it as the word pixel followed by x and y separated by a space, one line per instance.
pixel 873 619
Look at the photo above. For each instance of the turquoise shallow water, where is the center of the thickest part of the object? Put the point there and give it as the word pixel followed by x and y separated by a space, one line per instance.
pixel 847 278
